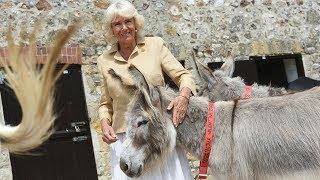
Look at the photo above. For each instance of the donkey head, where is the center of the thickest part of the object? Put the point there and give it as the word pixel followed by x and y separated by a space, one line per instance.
pixel 150 133
pixel 214 84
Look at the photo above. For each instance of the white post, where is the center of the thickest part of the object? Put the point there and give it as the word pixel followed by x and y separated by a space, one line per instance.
pixel 291 69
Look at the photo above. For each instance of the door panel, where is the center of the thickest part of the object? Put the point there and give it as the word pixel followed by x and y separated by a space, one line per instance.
pixel 272 73
pixel 56 160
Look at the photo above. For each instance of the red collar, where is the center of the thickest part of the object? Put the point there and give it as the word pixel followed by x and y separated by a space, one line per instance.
pixel 247 92
pixel 209 136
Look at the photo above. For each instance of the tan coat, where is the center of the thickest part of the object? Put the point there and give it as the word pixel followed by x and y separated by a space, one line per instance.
pixel 152 58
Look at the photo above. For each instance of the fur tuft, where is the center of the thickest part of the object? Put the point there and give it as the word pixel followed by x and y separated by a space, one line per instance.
pixel 34 89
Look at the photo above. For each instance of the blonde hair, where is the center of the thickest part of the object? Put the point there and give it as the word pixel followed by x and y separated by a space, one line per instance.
pixel 127 10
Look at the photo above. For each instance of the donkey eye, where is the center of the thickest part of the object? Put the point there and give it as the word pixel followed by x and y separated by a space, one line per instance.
pixel 142 122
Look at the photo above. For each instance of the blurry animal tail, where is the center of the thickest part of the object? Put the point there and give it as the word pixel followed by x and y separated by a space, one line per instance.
pixel 34 89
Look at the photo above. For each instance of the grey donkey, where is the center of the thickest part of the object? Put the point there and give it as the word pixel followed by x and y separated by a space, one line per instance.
pixel 219 84
pixel 257 138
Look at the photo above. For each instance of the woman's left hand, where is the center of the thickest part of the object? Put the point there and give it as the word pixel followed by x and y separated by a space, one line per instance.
pixel 180 106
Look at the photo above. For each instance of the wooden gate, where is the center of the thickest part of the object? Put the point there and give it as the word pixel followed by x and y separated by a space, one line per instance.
pixel 68 154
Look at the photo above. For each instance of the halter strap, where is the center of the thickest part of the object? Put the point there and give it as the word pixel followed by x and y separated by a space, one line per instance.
pixel 247 92
pixel 209 136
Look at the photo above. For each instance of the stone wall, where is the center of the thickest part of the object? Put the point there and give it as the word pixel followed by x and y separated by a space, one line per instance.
pixel 212 27
pixel 5 166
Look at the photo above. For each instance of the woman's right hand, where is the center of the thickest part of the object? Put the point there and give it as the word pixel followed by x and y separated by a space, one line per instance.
pixel 108 133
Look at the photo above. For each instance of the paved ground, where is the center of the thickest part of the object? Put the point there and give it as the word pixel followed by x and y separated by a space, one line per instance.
pixel 194 165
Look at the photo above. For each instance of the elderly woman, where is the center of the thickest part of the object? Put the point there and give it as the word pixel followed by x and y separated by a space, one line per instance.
pixel 124 28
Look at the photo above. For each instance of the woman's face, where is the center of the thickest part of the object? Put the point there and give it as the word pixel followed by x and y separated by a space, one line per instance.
pixel 124 29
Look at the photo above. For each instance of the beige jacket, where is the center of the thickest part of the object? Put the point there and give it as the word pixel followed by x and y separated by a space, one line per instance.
pixel 152 58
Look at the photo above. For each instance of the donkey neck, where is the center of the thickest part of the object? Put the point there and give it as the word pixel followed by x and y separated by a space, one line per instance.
pixel 192 130
pixel 191 133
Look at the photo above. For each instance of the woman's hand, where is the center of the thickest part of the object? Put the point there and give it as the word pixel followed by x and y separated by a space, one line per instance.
pixel 180 106
pixel 108 133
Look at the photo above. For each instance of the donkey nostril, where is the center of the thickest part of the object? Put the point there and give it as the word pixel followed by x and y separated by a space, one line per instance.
pixel 124 166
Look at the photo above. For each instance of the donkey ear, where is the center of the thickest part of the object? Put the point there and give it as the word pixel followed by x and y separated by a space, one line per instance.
pixel 228 67
pixel 142 101
pixel 204 73
pixel 151 93
pixel 119 78
pixel 139 80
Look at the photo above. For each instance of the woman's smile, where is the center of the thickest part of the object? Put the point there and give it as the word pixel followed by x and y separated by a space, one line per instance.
pixel 123 28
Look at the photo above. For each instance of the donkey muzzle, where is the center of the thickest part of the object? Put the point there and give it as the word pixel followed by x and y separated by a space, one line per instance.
pixel 130 169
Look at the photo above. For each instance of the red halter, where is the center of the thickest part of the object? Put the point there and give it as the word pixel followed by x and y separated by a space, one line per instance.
pixel 204 163
pixel 209 136
pixel 247 92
